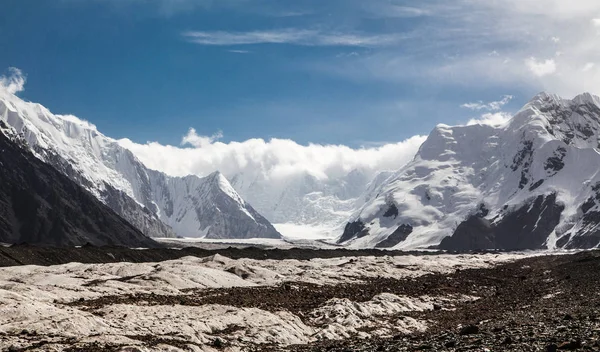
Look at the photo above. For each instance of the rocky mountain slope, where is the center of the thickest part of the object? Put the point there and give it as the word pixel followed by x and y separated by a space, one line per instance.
pixel 153 202
pixel 39 205
pixel 531 183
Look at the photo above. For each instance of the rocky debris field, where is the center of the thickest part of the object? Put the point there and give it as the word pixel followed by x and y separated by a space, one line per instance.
pixel 548 303
pixel 477 302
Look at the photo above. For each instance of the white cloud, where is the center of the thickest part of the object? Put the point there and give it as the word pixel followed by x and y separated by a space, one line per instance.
pixel 541 68
pixel 388 10
pixel 493 119
pixel 491 106
pixel 192 138
pixel 239 51
pixel 306 37
pixel 588 66
pixel 273 159
pixel 492 44
pixel 14 82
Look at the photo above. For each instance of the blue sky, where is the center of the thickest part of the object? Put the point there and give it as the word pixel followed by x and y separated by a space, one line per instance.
pixel 330 72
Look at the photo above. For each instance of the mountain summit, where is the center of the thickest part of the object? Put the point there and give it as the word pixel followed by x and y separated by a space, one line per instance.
pixel 531 183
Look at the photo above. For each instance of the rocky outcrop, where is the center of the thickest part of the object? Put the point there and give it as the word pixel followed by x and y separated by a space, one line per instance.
pixel 355 229
pixel 527 227
pixel 396 237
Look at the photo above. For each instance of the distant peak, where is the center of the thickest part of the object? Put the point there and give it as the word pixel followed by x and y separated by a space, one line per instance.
pixel 215 175
pixel 218 179
pixel 545 97
pixel 583 98
pixel 586 97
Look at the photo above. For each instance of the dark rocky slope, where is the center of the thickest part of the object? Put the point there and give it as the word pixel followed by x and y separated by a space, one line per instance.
pixel 39 205
pixel 527 227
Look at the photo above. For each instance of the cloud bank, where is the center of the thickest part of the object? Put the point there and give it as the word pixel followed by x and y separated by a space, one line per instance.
pixel 274 159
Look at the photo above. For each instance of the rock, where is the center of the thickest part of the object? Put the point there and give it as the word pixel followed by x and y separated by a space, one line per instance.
pixel 571 345
pixel 552 348
pixel 568 317
pixel 217 343
pixel 436 306
pixel 507 340
pixel 469 330
pixel 450 344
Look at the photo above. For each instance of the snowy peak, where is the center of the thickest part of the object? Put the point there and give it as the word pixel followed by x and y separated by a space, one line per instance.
pixel 575 122
pixel 218 180
pixel 207 207
pixel 540 167
pixel 155 203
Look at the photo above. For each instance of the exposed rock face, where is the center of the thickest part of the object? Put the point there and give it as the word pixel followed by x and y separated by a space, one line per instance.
pixel 473 233
pixel 39 205
pixel 530 183
pixel 354 229
pixel 396 237
pixel 525 228
pixel 391 212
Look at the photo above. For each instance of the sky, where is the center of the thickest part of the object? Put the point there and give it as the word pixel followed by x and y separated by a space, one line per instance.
pixel 348 73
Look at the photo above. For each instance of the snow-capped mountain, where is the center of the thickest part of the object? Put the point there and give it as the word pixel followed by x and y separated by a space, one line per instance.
pixel 189 205
pixel 40 205
pixel 211 201
pixel 533 182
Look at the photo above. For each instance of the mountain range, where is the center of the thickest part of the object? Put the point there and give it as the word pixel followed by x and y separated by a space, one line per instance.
pixel 530 183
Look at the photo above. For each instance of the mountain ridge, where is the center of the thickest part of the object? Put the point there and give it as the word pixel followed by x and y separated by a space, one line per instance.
pixel 116 177
pixel 548 149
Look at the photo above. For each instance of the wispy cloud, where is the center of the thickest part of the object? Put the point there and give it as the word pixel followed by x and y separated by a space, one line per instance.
pixel 293 36
pixel 529 45
pixel 14 82
pixel 198 141
pixel 491 106
pixel 236 51
pixel 390 10
pixel 542 67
